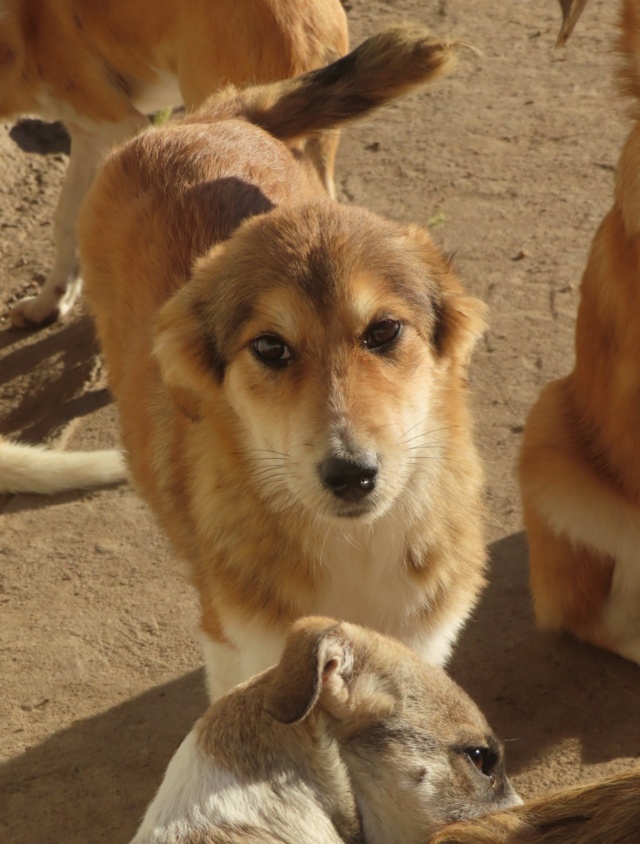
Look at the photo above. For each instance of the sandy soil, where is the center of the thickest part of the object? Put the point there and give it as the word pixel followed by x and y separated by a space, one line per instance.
pixel 511 162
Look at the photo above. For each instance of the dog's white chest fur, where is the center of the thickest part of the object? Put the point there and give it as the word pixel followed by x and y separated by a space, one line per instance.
pixel 364 577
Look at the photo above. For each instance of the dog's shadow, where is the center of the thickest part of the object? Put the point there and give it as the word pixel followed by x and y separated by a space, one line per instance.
pixel 537 689
pixel 52 373
pixel 93 780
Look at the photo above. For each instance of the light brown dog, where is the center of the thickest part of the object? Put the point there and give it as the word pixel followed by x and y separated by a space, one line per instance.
pixel 102 66
pixel 349 738
pixel 602 812
pixel 290 372
pixel 580 459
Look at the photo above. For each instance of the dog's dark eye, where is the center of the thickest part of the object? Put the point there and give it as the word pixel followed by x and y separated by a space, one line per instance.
pixel 271 350
pixel 382 334
pixel 481 758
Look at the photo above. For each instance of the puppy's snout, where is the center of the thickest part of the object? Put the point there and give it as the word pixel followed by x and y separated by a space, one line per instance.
pixel 350 479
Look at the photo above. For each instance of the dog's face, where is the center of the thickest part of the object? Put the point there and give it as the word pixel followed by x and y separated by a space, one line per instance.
pixel 334 337
pixel 419 752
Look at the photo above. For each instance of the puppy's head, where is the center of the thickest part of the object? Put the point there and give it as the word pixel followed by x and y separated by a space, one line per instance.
pixel 337 340
pixel 418 750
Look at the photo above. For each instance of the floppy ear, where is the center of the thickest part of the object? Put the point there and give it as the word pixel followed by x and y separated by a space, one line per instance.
pixel 316 667
pixel 189 362
pixel 459 318
pixel 462 324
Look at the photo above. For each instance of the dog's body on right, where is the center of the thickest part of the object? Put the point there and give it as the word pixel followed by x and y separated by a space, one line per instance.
pixel 603 812
pixel 580 458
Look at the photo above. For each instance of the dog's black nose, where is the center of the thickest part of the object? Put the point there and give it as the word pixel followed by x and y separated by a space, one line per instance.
pixel 350 479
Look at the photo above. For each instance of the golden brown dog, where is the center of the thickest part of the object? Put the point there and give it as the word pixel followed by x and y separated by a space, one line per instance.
pixel 290 372
pixel 101 66
pixel 602 812
pixel 349 738
pixel 580 459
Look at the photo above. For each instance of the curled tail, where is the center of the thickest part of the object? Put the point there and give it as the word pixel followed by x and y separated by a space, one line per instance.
pixel 382 68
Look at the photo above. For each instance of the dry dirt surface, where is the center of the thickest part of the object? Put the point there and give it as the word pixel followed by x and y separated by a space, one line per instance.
pixel 510 161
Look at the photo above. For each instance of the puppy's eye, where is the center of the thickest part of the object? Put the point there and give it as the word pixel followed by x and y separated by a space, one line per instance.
pixel 481 758
pixel 382 334
pixel 271 350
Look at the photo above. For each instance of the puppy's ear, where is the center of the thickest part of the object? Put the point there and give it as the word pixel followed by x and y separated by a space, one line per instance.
pixel 460 325
pixel 186 353
pixel 459 319
pixel 316 668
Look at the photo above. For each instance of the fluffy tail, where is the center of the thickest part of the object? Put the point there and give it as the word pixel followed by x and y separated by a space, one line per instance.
pixel 604 812
pixel 32 468
pixel 381 69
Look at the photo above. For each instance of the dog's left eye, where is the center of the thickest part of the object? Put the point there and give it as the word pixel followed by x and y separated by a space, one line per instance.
pixel 271 350
pixel 382 334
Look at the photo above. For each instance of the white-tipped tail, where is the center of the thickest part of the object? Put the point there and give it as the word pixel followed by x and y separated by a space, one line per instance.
pixel 32 468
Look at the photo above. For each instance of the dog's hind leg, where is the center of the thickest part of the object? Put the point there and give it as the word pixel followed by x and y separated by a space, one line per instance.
pixel 63 283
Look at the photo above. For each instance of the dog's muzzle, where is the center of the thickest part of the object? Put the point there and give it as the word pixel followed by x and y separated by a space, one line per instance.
pixel 350 480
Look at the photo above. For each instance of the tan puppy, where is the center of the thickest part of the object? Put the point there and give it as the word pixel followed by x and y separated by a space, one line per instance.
pixel 349 738
pixel 290 372
pixel 101 66
pixel 31 468
pixel 580 459
pixel 603 812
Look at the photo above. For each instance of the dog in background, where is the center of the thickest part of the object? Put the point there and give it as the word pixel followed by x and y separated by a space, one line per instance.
pixel 350 737
pixel 290 372
pixel 603 812
pixel 580 459
pixel 31 468
pixel 101 67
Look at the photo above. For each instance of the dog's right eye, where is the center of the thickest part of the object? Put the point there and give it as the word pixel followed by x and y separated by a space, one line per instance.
pixel 271 350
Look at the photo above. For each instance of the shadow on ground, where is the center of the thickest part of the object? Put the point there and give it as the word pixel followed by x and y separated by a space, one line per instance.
pixel 535 688
pixel 92 781
pixel 52 373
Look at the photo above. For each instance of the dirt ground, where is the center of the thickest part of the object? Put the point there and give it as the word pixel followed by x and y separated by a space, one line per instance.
pixel 511 163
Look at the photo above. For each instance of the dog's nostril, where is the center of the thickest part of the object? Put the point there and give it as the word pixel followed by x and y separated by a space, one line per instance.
pixel 349 479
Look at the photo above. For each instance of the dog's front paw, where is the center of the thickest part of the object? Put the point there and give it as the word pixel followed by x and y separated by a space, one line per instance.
pixel 34 312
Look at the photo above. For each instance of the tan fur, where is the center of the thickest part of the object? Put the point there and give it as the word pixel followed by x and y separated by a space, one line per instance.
pixel 199 238
pixel 350 737
pixel 101 66
pixel 31 468
pixel 602 812
pixel 580 458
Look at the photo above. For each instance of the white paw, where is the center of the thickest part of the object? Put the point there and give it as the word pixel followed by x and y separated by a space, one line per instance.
pixel 34 312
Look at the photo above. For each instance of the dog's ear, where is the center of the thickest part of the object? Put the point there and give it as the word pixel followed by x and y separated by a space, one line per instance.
pixel 460 325
pixel 186 353
pixel 316 668
pixel 459 319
